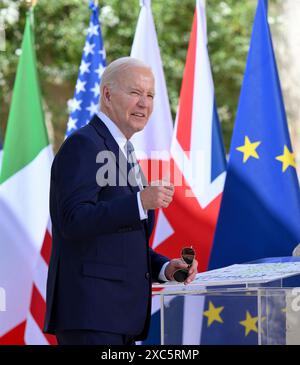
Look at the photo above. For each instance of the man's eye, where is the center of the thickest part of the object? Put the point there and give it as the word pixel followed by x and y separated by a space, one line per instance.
pixel 150 96
pixel 135 93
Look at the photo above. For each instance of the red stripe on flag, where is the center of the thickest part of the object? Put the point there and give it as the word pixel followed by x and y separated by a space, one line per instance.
pixel 14 336
pixel 184 126
pixel 38 310
pixel 155 169
pixel 46 248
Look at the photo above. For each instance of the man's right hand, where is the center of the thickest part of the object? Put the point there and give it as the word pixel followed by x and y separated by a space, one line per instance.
pixel 157 195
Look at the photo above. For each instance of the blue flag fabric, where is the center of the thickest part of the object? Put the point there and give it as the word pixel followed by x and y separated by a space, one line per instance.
pixel 260 210
pixel 85 102
pixel 234 319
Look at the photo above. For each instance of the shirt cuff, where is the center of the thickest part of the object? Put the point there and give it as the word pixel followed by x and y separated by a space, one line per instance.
pixel 143 213
pixel 162 276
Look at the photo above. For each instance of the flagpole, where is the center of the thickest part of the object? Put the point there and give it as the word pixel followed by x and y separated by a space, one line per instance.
pixel 31 5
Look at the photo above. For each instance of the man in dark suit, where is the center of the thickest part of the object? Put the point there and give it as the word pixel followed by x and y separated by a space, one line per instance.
pixel 101 267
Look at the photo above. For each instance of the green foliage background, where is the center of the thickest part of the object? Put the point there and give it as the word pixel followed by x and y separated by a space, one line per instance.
pixel 60 30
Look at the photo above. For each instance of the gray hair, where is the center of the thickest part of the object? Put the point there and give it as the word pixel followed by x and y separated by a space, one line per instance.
pixel 119 66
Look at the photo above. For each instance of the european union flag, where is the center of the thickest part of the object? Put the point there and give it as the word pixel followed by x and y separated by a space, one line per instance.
pixel 260 210
pixel 230 320
pixel 229 317
pixel 233 319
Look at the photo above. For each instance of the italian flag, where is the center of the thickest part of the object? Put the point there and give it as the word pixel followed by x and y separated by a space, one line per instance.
pixel 24 192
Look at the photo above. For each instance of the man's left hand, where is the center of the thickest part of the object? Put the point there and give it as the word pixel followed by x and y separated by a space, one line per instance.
pixel 177 264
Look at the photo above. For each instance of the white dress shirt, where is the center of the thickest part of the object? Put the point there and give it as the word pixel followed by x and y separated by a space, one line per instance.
pixel 121 141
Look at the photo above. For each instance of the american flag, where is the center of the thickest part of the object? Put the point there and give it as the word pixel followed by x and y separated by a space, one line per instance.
pixel 83 106
pixel 85 102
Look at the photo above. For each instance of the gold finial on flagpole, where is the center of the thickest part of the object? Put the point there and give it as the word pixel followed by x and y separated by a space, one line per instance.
pixel 31 3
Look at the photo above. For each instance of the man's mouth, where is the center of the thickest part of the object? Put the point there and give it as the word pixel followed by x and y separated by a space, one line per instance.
pixel 140 115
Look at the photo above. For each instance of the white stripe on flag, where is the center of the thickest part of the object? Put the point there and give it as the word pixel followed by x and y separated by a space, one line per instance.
pixel 192 319
pixel 163 229
pixel 40 278
pixel 33 334
pixel 26 193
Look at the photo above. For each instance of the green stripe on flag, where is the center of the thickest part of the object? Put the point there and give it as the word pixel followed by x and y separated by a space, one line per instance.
pixel 26 133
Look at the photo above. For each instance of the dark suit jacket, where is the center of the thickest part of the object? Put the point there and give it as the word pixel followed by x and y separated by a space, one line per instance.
pixel 101 265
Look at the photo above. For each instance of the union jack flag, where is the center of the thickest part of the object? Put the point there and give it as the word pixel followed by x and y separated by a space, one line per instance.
pixel 198 160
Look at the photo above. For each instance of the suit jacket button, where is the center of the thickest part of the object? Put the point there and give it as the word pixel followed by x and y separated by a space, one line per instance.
pixel 147 276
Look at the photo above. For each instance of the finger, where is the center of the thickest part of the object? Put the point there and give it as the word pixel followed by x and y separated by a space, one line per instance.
pixel 155 183
pixel 166 181
pixel 167 198
pixel 190 278
pixel 193 269
pixel 181 265
pixel 169 186
pixel 195 265
pixel 165 202
pixel 168 192
pixel 164 205
pixel 192 273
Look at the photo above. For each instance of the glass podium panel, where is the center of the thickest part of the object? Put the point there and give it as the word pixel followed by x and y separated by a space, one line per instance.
pixel 230 316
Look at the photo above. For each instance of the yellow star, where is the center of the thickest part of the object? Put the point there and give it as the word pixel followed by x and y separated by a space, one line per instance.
pixel 287 159
pixel 249 149
pixel 249 323
pixel 213 314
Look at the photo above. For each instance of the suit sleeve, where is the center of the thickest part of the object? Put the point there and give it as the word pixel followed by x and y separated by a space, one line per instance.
pixel 80 213
pixel 157 262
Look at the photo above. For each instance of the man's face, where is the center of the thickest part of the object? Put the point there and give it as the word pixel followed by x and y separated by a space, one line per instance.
pixel 131 100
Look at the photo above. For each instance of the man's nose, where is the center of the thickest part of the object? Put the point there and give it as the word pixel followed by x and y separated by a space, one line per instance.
pixel 143 101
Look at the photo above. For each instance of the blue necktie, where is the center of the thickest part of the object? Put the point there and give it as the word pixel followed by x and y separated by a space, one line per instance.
pixel 133 163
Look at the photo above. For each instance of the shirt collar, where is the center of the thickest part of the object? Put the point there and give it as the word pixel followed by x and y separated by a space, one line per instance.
pixel 114 130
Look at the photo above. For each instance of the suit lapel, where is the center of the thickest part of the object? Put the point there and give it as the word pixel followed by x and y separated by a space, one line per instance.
pixel 113 147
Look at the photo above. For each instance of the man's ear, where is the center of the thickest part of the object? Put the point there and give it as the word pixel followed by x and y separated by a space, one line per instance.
pixel 106 95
